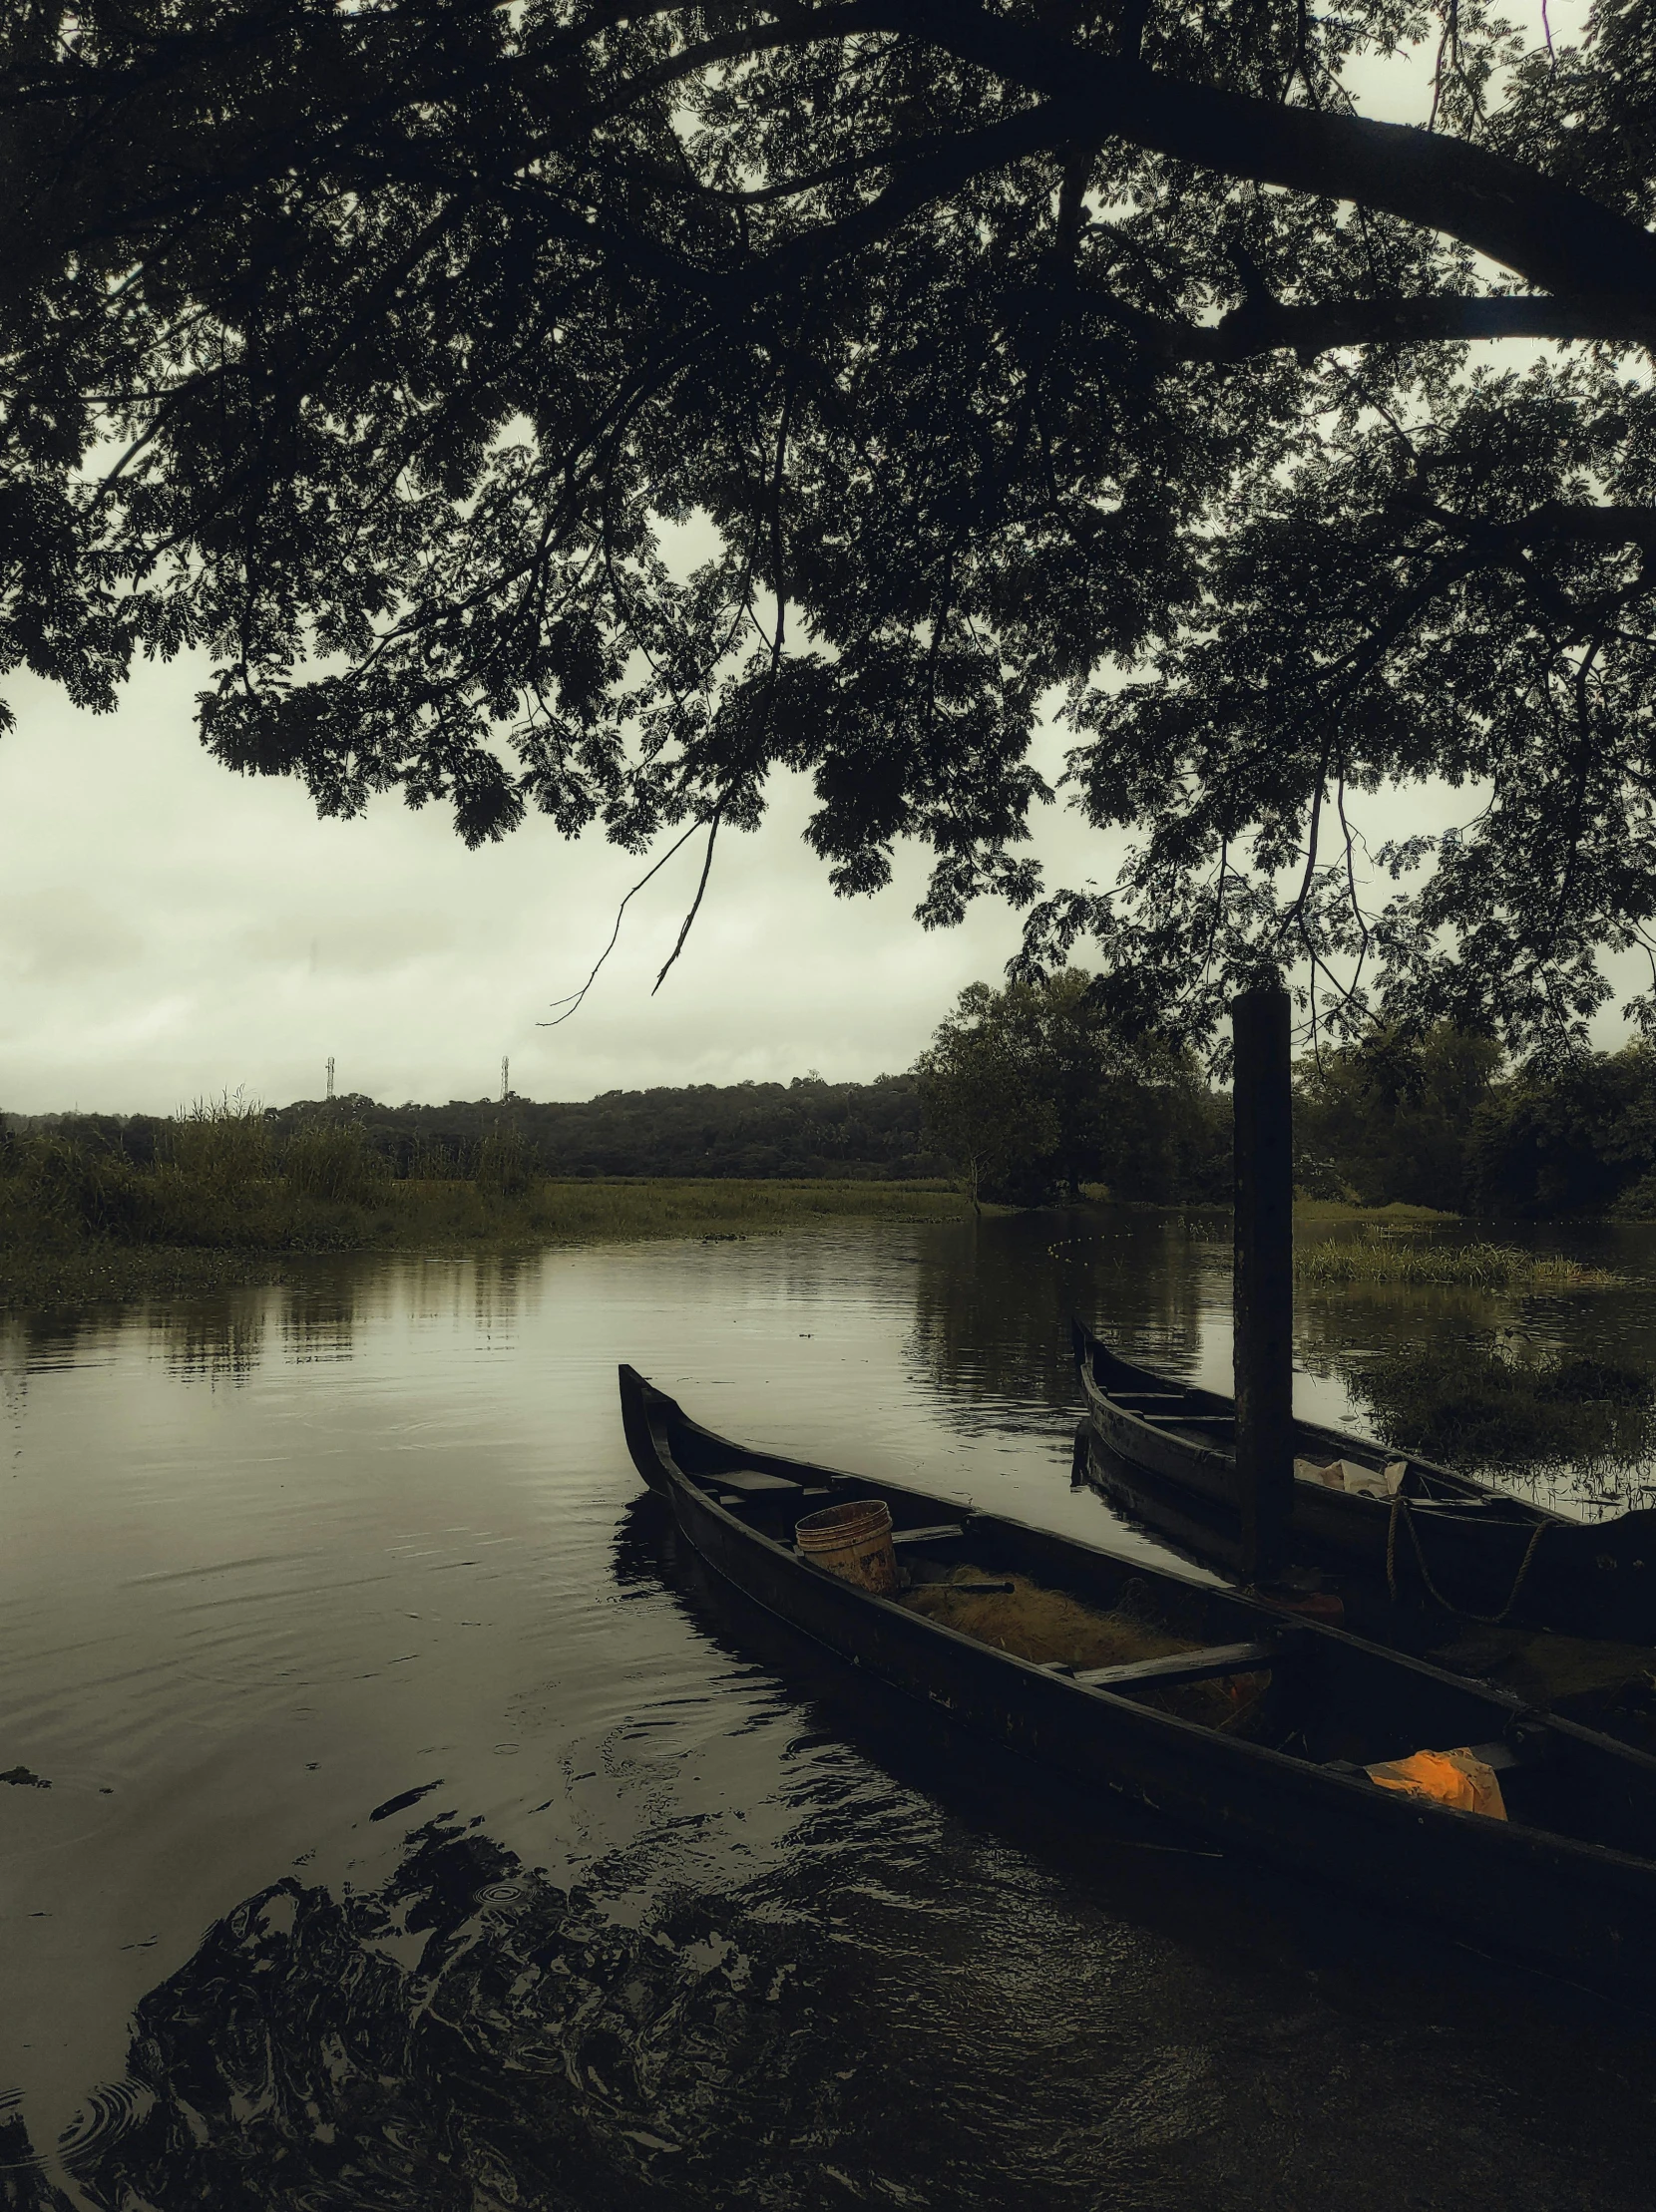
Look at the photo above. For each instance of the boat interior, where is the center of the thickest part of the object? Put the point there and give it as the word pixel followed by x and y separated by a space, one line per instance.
pixel 1200 1653
pixel 1202 1418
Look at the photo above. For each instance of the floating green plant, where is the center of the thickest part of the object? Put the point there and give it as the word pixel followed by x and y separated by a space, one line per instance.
pixel 1379 1257
pixel 1473 1403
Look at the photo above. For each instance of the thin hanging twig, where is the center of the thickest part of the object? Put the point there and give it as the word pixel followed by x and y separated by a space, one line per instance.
pixel 695 904
pixel 571 1001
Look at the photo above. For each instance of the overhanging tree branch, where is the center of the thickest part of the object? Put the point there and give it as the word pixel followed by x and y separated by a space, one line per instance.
pixel 1308 328
pixel 1556 238
pixel 443 317
pixel 1547 232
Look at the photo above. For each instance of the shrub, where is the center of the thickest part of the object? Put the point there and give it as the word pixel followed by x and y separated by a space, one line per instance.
pixel 436 1162
pixel 504 1167
pixel 1638 1202
pixel 57 1182
pixel 221 1146
pixel 332 1162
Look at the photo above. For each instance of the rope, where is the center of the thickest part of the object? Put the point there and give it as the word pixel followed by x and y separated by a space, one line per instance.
pixel 1401 1512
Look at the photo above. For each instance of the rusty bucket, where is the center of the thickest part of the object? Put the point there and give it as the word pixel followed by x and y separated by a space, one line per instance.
pixel 853 1542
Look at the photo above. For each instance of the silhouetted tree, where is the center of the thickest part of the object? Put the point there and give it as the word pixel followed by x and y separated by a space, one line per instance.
pixel 983 1104
pixel 1396 1118
pixel 1029 1092
pixel 589 406
pixel 1442 1119
pixel 1575 1140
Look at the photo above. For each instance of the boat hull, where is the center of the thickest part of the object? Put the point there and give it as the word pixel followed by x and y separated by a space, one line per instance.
pixel 1578 1908
pixel 1463 1547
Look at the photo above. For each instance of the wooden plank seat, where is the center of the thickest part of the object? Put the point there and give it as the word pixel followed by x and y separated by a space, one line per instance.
pixel 1208 1666
pixel 750 1481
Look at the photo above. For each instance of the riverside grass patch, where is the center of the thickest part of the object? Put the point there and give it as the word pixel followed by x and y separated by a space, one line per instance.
pixel 88 1228
pixel 1379 1256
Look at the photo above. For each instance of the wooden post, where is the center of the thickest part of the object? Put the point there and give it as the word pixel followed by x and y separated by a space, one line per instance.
pixel 1264 1279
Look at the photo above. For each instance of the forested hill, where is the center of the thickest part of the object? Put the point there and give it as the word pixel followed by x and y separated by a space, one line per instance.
pixel 1442 1122
pixel 804 1128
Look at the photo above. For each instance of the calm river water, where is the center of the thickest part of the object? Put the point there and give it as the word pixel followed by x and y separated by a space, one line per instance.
pixel 423 1832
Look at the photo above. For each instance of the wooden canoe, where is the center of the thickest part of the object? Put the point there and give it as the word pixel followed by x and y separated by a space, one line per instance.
pixel 1566 1882
pixel 1457 1543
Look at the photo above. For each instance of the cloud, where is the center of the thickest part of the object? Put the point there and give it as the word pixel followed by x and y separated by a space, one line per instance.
pixel 61 932
pixel 361 941
pixel 179 931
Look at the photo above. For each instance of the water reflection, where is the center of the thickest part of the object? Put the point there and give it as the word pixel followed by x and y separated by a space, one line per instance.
pixel 993 1307
pixel 1346 1337
pixel 212 1345
pixel 992 1334
pixel 224 1335
pixel 687 1919
pixel 928 1978
pixel 991 1304
pixel 319 1325
pixel 468 2033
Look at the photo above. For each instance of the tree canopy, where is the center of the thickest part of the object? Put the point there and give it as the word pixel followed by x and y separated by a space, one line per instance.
pixel 1028 1093
pixel 586 407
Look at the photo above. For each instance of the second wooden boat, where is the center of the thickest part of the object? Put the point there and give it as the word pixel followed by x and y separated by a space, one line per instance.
pixel 1264 1731
pixel 1407 1527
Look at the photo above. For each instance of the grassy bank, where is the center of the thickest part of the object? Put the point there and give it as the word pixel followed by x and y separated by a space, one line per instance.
pixel 1313 1212
pixel 203 1236
pixel 1377 1258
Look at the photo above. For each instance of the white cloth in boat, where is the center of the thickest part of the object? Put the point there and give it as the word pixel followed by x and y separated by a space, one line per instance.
pixel 1356 1480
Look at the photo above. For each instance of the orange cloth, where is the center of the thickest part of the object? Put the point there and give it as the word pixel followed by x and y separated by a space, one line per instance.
pixel 1453 1778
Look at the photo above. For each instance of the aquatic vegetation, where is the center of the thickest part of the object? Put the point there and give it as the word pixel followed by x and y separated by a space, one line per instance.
pixel 1381 1257
pixel 1345 1211
pixel 1475 1404
pixel 504 1165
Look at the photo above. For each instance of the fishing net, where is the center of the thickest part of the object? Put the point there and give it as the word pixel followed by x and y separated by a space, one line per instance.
pixel 1046 1625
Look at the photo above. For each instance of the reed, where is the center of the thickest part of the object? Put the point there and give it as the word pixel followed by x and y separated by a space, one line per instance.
pixel 332 1162
pixel 221 1206
pixel 1382 1258
pixel 222 1144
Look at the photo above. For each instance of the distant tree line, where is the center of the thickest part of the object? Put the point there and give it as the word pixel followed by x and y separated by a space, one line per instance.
pixel 1029 1097
pixel 807 1128
pixel 1445 1121
pixel 1025 1097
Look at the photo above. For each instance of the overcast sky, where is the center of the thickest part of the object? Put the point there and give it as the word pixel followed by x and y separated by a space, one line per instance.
pixel 170 931
pixel 168 928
